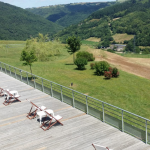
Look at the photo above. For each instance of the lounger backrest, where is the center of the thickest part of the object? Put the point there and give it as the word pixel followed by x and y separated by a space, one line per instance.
pixel 36 107
pixel 99 147
pixel 6 91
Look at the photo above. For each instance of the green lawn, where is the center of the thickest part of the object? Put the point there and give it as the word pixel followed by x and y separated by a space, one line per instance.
pixel 129 92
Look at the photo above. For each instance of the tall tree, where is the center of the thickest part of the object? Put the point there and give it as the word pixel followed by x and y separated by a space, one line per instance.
pixel 29 57
pixel 74 44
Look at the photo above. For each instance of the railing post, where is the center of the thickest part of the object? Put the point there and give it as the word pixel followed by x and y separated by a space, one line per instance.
pixel 73 98
pixel 21 74
pixel 61 94
pixel 15 73
pixel 1 66
pixel 122 122
pixel 87 111
pixel 9 70
pixel 5 68
pixel 146 130
pixel 27 78
pixel 51 90
pixel 34 82
pixel 103 112
pixel 42 85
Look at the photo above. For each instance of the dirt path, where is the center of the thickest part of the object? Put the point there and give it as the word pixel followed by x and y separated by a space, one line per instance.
pixel 137 66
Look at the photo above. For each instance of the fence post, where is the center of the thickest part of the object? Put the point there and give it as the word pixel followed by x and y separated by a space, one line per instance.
pixel 122 122
pixel 42 85
pixel 61 94
pixel 73 98
pixel 27 78
pixel 103 112
pixel 51 90
pixel 34 82
pixel 146 130
pixel 87 111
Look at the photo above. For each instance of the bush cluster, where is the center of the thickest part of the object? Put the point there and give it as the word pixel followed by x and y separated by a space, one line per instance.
pixel 87 55
pixel 101 67
pixel 112 72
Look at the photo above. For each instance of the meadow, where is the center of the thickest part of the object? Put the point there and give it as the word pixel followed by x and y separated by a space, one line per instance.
pixel 122 37
pixel 133 55
pixel 128 92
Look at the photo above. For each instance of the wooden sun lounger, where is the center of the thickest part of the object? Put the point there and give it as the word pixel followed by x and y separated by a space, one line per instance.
pixel 32 114
pixel 3 92
pixel 47 124
pixel 11 97
pixel 99 147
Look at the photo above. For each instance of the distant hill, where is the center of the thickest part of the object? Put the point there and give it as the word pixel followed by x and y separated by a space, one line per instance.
pixel 66 15
pixel 131 17
pixel 19 24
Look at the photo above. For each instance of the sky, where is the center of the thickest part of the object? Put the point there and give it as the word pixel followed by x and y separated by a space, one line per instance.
pixel 39 3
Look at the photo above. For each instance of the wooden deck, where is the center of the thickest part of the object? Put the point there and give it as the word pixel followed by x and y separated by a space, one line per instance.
pixel 79 131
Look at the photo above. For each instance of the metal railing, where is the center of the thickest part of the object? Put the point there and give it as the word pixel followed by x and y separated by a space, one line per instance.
pixel 125 121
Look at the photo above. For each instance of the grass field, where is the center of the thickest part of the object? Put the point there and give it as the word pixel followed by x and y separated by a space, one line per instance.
pixel 129 92
pixel 134 55
pixel 93 39
pixel 90 43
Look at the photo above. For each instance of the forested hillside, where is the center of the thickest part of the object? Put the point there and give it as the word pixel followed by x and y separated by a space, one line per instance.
pixel 19 24
pixel 68 14
pixel 131 17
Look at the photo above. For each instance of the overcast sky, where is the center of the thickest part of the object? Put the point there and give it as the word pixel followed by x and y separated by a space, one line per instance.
pixel 38 3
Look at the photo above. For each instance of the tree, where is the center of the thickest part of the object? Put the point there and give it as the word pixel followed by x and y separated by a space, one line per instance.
pixel 74 44
pixel 129 46
pixel 105 43
pixel 29 57
pixel 43 48
pixel 133 1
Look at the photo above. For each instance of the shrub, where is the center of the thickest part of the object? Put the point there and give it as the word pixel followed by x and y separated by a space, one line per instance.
pixel 108 74
pixel 87 55
pixel 110 69
pixel 101 67
pixel 80 62
pixel 115 72
pixel 110 50
pixel 146 51
pixel 92 65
